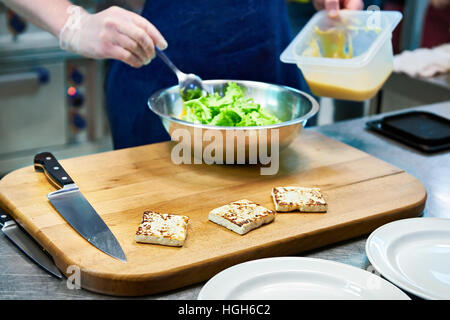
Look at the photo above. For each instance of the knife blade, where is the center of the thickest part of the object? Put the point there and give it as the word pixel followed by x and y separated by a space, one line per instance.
pixel 75 209
pixel 28 245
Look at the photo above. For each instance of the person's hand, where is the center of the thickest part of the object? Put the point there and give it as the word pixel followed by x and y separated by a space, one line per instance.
pixel 333 6
pixel 440 4
pixel 112 33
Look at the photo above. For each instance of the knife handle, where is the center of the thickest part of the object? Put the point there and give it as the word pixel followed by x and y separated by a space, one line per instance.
pixel 4 218
pixel 47 163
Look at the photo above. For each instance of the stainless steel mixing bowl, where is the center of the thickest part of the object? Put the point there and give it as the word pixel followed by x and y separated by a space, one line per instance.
pixel 291 106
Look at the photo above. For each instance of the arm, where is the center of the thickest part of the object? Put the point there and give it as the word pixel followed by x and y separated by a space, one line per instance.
pixel 440 4
pixel 112 33
pixel 49 15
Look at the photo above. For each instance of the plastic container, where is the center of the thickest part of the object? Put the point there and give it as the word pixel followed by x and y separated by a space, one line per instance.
pixel 367 38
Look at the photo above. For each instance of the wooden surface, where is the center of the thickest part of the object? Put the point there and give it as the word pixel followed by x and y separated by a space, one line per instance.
pixel 363 193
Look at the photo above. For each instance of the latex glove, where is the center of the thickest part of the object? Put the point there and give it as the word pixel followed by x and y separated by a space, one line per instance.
pixel 333 6
pixel 424 62
pixel 112 33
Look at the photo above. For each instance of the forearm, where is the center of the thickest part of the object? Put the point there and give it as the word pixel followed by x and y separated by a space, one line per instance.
pixel 112 33
pixel 49 15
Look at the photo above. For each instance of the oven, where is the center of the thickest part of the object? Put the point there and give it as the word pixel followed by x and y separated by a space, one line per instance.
pixel 49 99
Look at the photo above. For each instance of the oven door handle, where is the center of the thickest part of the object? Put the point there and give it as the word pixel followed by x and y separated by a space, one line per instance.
pixel 35 77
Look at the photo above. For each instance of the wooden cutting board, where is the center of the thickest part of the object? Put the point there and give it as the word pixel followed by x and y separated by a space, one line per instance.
pixel 362 191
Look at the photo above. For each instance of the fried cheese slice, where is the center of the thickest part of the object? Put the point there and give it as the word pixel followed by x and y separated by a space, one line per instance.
pixel 162 228
pixel 298 198
pixel 241 216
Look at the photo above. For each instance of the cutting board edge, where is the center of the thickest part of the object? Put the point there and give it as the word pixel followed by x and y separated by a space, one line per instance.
pixel 123 286
pixel 195 273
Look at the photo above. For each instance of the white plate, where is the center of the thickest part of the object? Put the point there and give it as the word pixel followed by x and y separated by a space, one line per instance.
pixel 414 254
pixel 290 278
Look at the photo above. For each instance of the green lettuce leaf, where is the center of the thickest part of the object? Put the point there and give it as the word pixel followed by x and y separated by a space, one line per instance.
pixel 232 109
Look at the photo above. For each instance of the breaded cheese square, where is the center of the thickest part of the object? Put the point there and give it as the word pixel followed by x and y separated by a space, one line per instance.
pixel 162 228
pixel 298 198
pixel 241 216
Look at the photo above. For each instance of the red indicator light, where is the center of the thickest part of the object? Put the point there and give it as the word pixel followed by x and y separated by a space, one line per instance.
pixel 71 91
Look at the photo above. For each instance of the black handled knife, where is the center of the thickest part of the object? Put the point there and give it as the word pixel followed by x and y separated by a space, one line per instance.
pixel 28 245
pixel 75 209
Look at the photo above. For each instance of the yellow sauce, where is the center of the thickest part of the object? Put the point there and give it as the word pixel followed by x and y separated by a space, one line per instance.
pixel 337 44
pixel 368 91
pixel 183 113
pixel 332 43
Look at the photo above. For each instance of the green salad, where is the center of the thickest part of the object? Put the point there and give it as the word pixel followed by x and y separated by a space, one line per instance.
pixel 231 110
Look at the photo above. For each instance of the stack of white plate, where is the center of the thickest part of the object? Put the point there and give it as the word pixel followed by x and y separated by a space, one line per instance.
pixel 414 254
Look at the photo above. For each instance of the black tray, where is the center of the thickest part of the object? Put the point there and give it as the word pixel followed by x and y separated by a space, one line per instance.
pixel 424 131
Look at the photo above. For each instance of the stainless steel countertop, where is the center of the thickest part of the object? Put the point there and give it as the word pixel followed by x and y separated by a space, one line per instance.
pixel 22 279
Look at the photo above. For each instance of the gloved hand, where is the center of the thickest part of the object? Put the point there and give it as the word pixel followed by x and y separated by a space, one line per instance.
pixel 112 33
pixel 333 6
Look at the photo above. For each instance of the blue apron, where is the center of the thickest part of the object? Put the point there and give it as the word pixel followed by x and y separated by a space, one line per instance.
pixel 221 39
